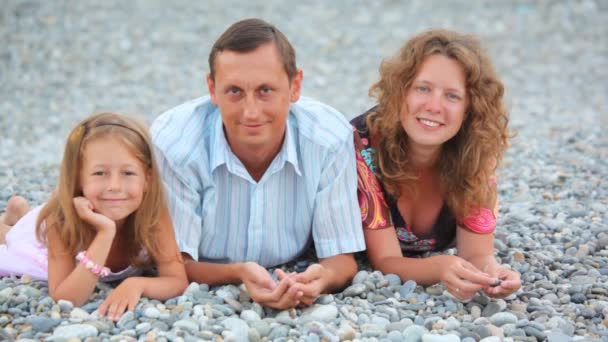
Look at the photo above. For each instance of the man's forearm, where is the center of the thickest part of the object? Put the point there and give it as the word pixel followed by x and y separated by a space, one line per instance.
pixel 213 274
pixel 340 271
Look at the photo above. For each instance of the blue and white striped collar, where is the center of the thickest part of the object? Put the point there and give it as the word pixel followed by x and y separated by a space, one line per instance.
pixel 220 152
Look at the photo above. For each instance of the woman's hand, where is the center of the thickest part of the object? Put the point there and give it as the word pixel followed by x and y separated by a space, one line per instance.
pixel 86 211
pixel 124 297
pixel 461 278
pixel 509 282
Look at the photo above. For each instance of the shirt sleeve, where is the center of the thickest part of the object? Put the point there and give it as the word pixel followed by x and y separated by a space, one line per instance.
pixel 375 213
pixel 336 218
pixel 483 220
pixel 184 205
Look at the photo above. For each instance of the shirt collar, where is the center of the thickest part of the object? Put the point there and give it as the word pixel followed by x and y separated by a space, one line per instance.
pixel 220 152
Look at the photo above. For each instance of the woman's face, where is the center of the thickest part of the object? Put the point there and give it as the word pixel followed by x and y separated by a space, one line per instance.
pixel 434 105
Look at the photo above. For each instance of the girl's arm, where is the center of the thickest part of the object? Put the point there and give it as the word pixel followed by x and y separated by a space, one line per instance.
pixel 458 276
pixel 68 279
pixel 171 280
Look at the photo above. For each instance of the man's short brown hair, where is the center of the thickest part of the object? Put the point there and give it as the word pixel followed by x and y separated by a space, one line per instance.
pixel 249 34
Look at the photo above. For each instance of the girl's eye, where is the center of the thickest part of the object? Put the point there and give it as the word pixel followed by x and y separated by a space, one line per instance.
pixel 129 173
pixel 98 173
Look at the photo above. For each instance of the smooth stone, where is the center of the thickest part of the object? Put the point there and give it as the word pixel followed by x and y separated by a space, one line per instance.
pixel 393 279
pixel 395 336
pixel 187 324
pixel 250 315
pixel 533 331
pixel 143 328
pixel 261 326
pixel 354 290
pixel 65 305
pixel 81 331
pixel 360 277
pixel 238 327
pixel 440 338
pixel 482 330
pixel 278 332
pixel 491 339
pixel 325 299
pixel 125 318
pixel 324 313
pixel 398 326
pixel 42 324
pixel 578 298
pixel 558 337
pixel 490 309
pixel 501 318
pixel 407 288
pixel 151 312
pixel 413 333
pixel 79 313
pixel 253 335
pixel 346 332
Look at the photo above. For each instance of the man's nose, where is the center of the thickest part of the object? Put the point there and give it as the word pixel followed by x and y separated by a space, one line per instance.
pixel 252 107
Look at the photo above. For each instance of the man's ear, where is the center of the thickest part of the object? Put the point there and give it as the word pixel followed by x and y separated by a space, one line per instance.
pixel 296 86
pixel 211 88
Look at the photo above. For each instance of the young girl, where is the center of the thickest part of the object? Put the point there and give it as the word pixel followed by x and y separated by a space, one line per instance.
pixel 106 220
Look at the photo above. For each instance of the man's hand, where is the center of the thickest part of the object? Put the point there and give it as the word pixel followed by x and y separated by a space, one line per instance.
pixel 124 297
pixel 311 282
pixel 265 291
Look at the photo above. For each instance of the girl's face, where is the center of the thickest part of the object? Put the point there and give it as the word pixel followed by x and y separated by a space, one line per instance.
pixel 434 106
pixel 112 178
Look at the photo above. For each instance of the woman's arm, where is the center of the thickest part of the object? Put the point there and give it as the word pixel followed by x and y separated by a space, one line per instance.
pixel 458 276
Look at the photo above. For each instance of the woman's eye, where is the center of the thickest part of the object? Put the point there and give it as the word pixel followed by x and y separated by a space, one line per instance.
pixel 98 173
pixel 453 97
pixel 423 89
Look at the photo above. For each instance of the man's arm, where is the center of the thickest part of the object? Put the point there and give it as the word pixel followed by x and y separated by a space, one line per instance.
pixel 260 285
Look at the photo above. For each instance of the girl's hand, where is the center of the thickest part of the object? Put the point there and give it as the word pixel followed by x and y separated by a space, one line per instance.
pixel 461 278
pixel 84 209
pixel 509 283
pixel 124 297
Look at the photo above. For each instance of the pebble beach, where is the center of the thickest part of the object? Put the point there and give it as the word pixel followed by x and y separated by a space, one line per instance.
pixel 61 61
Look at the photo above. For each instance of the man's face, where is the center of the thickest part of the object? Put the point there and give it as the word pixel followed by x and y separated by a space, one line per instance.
pixel 253 93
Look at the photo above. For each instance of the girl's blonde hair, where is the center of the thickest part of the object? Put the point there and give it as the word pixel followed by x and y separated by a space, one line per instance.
pixel 468 160
pixel 142 226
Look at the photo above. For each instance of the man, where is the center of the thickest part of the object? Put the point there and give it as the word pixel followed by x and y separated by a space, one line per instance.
pixel 253 173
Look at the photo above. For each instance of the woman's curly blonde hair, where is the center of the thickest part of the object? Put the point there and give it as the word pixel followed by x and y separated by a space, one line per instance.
pixel 468 160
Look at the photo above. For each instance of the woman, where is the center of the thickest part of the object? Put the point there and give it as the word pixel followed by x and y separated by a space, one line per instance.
pixel 427 155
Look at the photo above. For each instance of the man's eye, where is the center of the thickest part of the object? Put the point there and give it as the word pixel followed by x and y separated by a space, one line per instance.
pixel 265 90
pixel 234 91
